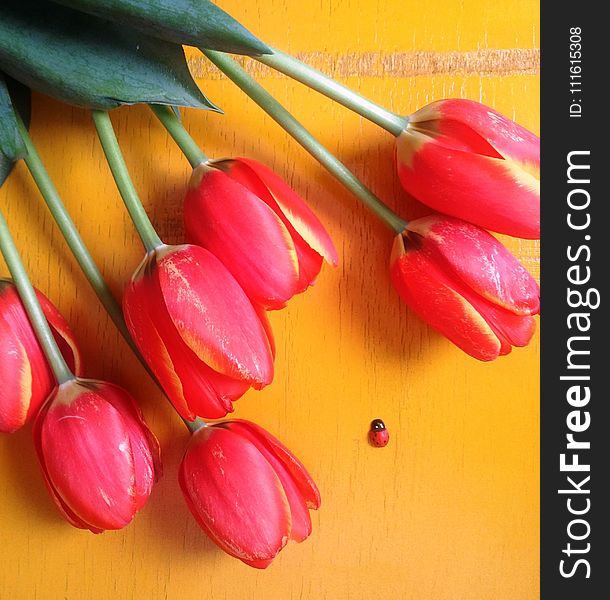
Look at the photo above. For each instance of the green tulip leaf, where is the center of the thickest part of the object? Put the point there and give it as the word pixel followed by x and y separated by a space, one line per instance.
pixel 11 143
pixel 13 96
pixel 89 62
pixel 192 22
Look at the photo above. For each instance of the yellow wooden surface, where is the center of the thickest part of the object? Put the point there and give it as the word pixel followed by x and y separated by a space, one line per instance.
pixel 449 509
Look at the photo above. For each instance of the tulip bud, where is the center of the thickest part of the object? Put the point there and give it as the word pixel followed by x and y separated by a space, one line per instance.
pixel 466 160
pixel 98 457
pixel 197 330
pixel 247 491
pixel 25 376
pixel 466 284
pixel 261 230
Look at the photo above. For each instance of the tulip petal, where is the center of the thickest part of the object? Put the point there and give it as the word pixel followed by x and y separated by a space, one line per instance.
pixel 226 388
pixel 24 372
pixel 63 508
pixel 184 377
pixel 490 192
pixel 73 437
pixel 213 315
pixel 207 393
pixel 310 264
pixel 67 513
pixel 428 291
pixel 511 330
pixel 144 445
pixel 298 472
pixel 16 375
pixel 235 495
pixel 289 206
pixel 244 233
pixel 509 139
pixel 301 521
pixel 63 335
pixel 144 333
pixel 482 263
pixel 456 135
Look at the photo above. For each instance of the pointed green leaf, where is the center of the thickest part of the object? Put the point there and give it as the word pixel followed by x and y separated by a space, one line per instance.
pixel 11 144
pixel 192 22
pixel 86 61
pixel 13 96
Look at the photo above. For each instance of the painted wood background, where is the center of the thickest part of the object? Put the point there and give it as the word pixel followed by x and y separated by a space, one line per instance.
pixel 449 509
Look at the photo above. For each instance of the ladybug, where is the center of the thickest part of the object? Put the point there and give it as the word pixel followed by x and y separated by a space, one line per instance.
pixel 379 436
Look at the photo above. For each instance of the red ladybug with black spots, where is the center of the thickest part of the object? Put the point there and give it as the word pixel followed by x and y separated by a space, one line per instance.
pixel 378 434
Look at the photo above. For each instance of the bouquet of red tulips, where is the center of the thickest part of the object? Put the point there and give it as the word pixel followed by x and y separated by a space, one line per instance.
pixel 195 313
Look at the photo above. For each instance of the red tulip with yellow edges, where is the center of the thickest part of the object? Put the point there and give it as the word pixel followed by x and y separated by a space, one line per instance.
pixel 261 230
pixel 466 284
pixel 98 457
pixel 247 491
pixel 198 331
pixel 464 159
pixel 25 376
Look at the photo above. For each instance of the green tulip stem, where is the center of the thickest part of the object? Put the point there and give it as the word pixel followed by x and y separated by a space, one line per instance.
pixel 294 68
pixel 181 136
pixel 74 240
pixel 72 236
pixel 285 119
pixel 145 229
pixel 79 249
pixel 60 369
pixel 117 165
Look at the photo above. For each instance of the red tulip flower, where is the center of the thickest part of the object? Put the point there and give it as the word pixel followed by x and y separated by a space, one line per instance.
pixel 466 284
pixel 25 376
pixel 261 230
pixel 98 457
pixel 247 491
pixel 198 331
pixel 466 160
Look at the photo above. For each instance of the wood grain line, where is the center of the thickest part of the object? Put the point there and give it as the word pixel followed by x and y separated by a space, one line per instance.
pixel 484 62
